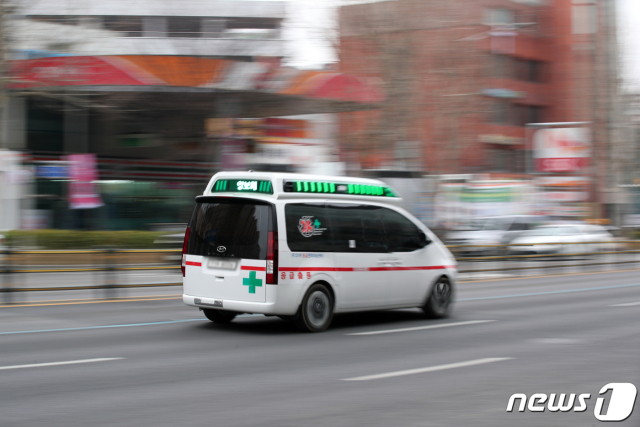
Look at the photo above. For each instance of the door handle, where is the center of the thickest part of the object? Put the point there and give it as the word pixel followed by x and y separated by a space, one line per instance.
pixel 392 262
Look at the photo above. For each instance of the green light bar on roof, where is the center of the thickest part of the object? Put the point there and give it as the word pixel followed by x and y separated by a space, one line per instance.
pixel 337 188
pixel 242 186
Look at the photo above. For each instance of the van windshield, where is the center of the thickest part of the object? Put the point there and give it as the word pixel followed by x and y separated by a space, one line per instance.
pixel 233 228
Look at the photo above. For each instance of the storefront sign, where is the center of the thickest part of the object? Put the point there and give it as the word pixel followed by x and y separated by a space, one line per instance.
pixel 82 190
pixel 565 196
pixel 561 149
pixel 52 172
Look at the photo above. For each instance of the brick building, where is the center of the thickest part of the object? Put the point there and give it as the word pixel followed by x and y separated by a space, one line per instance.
pixel 464 77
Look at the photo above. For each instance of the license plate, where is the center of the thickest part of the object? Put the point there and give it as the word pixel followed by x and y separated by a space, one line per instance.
pixel 222 264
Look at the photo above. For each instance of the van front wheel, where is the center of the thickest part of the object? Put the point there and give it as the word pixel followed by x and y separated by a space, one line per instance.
pixel 316 311
pixel 219 316
pixel 439 299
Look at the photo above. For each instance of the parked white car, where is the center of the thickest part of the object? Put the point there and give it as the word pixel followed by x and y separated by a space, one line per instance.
pixel 562 238
pixel 498 230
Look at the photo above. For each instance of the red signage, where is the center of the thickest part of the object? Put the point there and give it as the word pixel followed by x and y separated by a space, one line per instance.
pixel 571 164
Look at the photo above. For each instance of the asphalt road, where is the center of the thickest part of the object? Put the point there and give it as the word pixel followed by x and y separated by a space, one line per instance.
pixel 155 362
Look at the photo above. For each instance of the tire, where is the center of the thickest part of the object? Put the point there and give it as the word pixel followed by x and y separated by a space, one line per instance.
pixel 316 311
pixel 219 316
pixel 439 300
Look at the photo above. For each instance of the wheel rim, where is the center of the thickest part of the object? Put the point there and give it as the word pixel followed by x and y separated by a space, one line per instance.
pixel 318 309
pixel 441 295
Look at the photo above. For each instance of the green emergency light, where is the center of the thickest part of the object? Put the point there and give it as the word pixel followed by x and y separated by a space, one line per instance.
pixel 337 188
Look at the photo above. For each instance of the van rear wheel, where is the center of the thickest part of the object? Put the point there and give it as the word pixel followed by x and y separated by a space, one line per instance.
pixel 316 311
pixel 439 299
pixel 219 316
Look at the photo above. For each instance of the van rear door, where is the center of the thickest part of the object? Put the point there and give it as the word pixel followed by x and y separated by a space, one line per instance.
pixel 227 249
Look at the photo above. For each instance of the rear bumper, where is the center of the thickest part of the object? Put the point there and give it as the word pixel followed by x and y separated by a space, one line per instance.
pixel 278 303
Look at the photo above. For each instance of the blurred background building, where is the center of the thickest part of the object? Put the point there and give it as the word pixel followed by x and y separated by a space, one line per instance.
pixel 471 107
pixel 164 94
pixel 464 78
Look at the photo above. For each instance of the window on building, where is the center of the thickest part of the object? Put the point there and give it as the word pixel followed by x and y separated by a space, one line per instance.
pixel 506 159
pixel 534 71
pixel 535 114
pixel 92 22
pixel 253 28
pixel 154 26
pixel 584 16
pixel 127 26
pixel 213 28
pixel 526 70
pixel 499 16
pixel 55 19
pixel 525 114
pixel 499 113
pixel 185 26
pixel 502 66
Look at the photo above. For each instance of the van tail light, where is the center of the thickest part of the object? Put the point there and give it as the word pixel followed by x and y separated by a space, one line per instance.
pixel 184 250
pixel 272 258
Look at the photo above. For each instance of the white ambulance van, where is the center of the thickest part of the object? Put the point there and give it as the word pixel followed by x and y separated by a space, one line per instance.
pixel 303 247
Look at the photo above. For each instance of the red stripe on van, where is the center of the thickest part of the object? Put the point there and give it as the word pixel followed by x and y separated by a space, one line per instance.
pixel 314 269
pixel 432 267
pixel 195 264
pixel 251 268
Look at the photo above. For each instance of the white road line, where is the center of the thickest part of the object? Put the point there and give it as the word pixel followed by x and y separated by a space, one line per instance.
pixel 428 369
pixel 628 304
pixel 69 362
pixel 420 328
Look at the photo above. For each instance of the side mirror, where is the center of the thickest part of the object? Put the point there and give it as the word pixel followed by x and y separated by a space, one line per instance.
pixel 423 239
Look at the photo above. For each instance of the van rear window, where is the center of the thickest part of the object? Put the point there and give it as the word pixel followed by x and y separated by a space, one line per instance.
pixel 237 229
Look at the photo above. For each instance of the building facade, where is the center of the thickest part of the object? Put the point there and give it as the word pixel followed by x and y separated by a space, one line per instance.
pixel 464 78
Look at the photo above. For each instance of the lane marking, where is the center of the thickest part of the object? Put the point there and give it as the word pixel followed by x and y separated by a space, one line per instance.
pixel 549 292
pixel 428 369
pixel 35 303
pixel 83 328
pixel 69 362
pixel 96 299
pixel 420 328
pixel 628 304
pixel 548 276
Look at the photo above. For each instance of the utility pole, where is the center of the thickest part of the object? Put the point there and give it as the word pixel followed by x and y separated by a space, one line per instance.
pixel 3 72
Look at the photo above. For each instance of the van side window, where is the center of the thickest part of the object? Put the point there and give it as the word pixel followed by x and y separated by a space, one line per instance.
pixel 357 228
pixel 402 234
pixel 308 228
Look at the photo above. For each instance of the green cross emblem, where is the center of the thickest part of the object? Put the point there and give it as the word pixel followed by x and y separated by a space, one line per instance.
pixel 316 223
pixel 252 282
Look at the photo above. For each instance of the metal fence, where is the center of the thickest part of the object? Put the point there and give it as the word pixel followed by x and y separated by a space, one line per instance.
pixel 472 259
pixel 520 258
pixel 105 261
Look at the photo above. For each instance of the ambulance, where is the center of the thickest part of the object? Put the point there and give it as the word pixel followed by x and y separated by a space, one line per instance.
pixel 303 247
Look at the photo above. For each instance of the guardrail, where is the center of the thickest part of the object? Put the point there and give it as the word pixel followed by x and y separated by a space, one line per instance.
pixel 470 258
pixel 16 262
pixel 623 250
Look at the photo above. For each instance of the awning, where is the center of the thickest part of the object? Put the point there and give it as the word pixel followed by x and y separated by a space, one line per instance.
pixel 239 89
